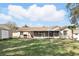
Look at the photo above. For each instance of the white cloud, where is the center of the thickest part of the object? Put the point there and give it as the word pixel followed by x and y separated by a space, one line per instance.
pixel 45 13
pixel 16 11
pixel 31 25
pixel 36 13
pixel 5 17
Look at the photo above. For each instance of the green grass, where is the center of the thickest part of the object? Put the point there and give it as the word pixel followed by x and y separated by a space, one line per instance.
pixel 42 47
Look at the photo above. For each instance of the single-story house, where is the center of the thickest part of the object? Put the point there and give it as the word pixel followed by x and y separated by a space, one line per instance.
pixel 37 32
pixel 46 32
pixel 4 32
pixel 42 32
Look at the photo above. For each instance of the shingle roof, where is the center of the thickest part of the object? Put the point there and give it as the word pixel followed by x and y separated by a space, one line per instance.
pixel 54 28
pixel 3 26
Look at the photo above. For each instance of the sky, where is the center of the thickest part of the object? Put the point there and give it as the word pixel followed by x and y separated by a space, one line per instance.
pixel 34 14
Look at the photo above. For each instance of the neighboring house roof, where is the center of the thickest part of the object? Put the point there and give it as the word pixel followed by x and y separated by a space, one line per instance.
pixel 4 27
pixel 54 28
pixel 63 28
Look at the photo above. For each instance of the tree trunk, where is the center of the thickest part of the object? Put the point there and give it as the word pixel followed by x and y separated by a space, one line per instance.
pixel 72 34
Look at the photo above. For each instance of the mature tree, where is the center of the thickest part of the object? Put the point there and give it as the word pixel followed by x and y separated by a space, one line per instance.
pixel 72 27
pixel 11 25
pixel 25 25
pixel 73 10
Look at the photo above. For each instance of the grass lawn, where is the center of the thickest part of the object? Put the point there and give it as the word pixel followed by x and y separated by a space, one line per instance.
pixel 43 47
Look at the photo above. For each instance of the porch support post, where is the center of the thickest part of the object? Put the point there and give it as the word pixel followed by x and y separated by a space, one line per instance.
pixel 48 34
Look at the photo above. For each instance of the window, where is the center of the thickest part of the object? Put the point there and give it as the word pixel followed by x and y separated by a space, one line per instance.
pixel 55 33
pixel 21 33
pixel 76 34
pixel 39 34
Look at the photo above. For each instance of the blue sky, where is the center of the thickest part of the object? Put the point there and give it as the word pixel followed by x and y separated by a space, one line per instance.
pixel 34 14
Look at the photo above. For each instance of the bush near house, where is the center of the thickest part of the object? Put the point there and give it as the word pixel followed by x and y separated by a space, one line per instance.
pixel 41 47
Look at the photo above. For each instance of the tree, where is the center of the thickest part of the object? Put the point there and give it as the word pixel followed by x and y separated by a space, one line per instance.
pixel 11 25
pixel 72 27
pixel 25 25
pixel 73 9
